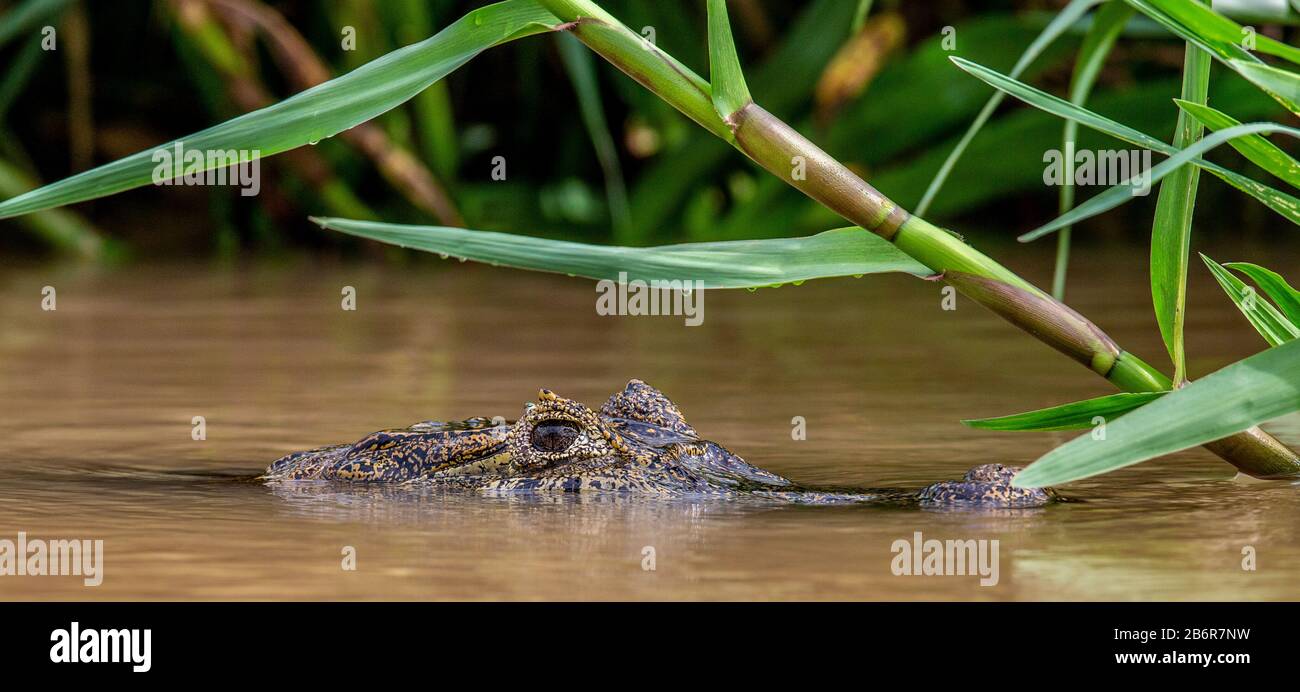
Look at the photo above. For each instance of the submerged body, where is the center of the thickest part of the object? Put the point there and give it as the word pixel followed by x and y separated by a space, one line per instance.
pixel 637 442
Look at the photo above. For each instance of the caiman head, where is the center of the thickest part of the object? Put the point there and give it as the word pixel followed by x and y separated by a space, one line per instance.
pixel 637 441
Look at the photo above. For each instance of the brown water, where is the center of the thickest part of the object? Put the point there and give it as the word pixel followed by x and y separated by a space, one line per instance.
pixel 98 396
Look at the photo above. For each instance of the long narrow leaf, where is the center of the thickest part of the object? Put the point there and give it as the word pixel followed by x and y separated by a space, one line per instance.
pixel 1257 148
pixel 1210 30
pixel 1047 102
pixel 1280 202
pixel 730 93
pixel 1271 324
pixel 1276 287
pixel 1076 415
pixel 1205 37
pixel 727 264
pixel 61 228
pixel 1246 393
pixel 1116 195
pixel 319 112
pixel 432 113
pixel 1059 24
pixel 1223 39
pixel 1282 85
pixel 1171 229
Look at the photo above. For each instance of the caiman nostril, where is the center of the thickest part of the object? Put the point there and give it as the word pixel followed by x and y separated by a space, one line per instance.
pixel 553 435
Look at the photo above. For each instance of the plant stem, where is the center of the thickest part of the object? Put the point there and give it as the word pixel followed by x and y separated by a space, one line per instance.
pixel 1171 233
pixel 781 150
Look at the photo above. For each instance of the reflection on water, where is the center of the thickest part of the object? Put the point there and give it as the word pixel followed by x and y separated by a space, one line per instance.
pixel 98 401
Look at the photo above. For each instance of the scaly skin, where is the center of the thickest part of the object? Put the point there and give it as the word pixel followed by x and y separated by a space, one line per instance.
pixel 638 442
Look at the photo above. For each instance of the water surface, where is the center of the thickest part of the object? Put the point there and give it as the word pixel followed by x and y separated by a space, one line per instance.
pixel 97 400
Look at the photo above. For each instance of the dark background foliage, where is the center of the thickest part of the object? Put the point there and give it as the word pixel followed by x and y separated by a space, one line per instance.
pixel 131 74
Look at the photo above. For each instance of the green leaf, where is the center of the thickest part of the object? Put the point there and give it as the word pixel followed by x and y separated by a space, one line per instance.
pixel 1056 106
pixel 1063 21
pixel 432 113
pixel 730 93
pixel 61 228
pixel 1282 85
pixel 1007 158
pixel 1106 27
pixel 1246 393
pixel 1076 415
pixel 1271 324
pixel 1171 229
pixel 320 112
pixel 1287 298
pixel 1210 30
pixel 1107 24
pixel 1256 148
pixel 1223 39
pixel 1280 202
pixel 728 264
pixel 1116 195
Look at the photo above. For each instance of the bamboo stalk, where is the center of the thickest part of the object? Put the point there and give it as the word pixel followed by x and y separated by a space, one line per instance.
pixel 781 150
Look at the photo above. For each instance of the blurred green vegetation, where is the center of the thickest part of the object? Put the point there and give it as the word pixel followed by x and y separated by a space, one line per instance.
pixel 590 155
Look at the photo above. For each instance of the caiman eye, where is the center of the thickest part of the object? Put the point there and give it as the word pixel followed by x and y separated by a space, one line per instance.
pixel 554 435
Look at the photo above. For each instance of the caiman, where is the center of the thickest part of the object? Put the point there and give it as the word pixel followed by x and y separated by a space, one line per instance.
pixel 638 442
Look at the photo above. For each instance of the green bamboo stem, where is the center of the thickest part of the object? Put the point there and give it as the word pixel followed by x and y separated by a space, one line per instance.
pixel 781 150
